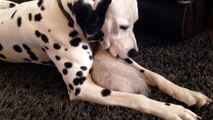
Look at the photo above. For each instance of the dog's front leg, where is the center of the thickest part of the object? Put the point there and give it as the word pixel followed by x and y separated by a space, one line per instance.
pixel 182 94
pixel 73 60
pixel 93 93
pixel 74 66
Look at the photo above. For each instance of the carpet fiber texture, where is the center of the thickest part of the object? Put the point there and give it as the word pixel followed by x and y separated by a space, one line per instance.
pixel 36 92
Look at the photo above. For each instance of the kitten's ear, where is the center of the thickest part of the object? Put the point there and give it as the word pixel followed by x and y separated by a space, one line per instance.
pixel 91 20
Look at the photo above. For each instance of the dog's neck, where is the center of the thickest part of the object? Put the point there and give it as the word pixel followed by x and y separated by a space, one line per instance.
pixel 94 45
pixel 66 14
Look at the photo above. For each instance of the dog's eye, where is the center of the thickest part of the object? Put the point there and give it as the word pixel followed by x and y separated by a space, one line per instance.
pixel 124 27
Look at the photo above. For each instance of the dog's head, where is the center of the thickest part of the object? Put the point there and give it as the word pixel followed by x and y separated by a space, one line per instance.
pixel 118 28
pixel 109 22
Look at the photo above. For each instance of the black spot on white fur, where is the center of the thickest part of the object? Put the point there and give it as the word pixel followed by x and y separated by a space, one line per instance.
pixel 105 92
pixel 42 8
pixel 17 48
pixel 30 16
pixel 57 57
pixel 37 33
pixel 56 46
pixel 12 5
pixel 142 71
pixel 65 71
pixel 43 49
pixel 73 33
pixel 75 42
pixel 79 81
pixel 68 65
pixel 40 2
pixel 85 47
pixel 90 57
pixel 19 21
pixel 79 74
pixel 84 68
pixel 129 61
pixel 13 14
pixel 38 17
pixel 30 52
pixel 71 87
pixel 44 38
pixel 77 91
pixel 46 47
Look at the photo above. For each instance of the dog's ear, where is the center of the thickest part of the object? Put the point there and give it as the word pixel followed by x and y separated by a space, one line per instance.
pixel 91 20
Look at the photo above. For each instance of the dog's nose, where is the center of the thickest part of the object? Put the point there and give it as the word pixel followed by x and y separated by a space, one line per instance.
pixel 132 53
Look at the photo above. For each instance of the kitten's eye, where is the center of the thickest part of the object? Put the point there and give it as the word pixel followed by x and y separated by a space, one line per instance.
pixel 124 27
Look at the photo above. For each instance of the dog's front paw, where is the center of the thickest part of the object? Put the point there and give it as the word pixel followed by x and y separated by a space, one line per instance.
pixel 177 112
pixel 192 98
pixel 170 111
pixel 200 99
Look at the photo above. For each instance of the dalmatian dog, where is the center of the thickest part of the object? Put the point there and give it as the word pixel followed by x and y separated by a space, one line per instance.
pixel 59 32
